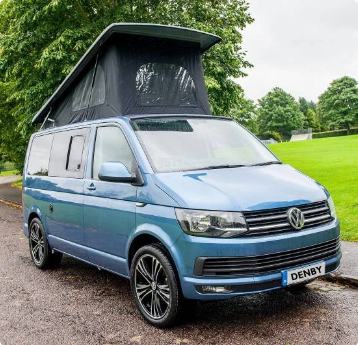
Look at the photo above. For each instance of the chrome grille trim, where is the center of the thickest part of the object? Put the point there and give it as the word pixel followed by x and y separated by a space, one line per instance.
pixel 316 210
pixel 261 264
pixel 274 221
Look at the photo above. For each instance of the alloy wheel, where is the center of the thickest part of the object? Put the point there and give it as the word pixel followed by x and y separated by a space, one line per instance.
pixel 37 244
pixel 152 287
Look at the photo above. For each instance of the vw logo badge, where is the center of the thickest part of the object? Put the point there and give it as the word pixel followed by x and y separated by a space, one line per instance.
pixel 296 218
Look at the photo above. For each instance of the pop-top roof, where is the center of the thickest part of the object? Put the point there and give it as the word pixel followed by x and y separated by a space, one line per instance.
pixel 205 40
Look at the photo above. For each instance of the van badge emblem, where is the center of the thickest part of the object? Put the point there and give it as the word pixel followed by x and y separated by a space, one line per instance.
pixel 296 218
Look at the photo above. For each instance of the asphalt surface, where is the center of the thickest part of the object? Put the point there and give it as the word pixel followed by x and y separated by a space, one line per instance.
pixel 10 194
pixel 7 192
pixel 9 179
pixel 77 304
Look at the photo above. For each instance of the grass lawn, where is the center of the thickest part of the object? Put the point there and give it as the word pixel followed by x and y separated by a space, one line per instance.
pixel 334 163
pixel 11 172
pixel 17 183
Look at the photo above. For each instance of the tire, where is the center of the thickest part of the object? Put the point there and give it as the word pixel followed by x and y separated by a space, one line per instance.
pixel 41 253
pixel 157 295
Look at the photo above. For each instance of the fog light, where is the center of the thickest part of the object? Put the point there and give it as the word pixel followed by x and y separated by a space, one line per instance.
pixel 216 289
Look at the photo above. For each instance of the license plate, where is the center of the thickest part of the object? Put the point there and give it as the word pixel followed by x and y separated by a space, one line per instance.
pixel 303 274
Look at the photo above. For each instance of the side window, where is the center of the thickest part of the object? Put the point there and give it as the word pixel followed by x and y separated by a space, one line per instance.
pixel 68 153
pixel 40 155
pixel 75 151
pixel 82 98
pixel 111 145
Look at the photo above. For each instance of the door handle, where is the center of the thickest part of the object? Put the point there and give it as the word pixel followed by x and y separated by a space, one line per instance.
pixel 91 187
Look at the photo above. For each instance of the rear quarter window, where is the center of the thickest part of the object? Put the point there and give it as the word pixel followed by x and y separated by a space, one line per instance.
pixel 39 157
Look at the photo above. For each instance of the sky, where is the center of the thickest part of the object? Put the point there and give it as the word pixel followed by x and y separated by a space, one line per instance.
pixel 300 46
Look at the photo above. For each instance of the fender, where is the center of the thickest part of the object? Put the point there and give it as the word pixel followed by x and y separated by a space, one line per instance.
pixel 157 232
pixel 27 212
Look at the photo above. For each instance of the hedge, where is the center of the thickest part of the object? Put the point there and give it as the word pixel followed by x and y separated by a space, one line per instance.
pixel 337 133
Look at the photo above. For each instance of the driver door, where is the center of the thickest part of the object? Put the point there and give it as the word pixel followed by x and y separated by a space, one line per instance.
pixel 109 207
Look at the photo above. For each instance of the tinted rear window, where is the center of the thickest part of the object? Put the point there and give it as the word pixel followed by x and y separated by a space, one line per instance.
pixel 40 155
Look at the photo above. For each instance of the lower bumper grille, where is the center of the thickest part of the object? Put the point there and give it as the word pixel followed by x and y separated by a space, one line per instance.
pixel 261 264
pixel 262 286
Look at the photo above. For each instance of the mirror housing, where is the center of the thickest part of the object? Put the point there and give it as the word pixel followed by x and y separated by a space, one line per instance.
pixel 115 172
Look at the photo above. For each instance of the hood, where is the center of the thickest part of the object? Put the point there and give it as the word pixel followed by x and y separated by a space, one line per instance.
pixel 240 189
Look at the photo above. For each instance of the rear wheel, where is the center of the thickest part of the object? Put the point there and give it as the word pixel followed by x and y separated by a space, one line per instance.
pixel 40 251
pixel 154 286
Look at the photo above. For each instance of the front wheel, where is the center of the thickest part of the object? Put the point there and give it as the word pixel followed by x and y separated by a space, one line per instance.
pixel 154 286
pixel 40 251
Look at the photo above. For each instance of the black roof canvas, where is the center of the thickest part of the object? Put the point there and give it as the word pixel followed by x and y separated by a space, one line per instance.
pixel 134 69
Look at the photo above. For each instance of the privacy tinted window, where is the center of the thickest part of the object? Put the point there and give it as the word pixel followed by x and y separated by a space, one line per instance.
pixel 85 95
pixel 68 153
pixel 111 145
pixel 40 155
pixel 162 84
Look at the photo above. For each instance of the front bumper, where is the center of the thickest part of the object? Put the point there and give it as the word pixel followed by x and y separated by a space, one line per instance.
pixel 188 249
pixel 242 286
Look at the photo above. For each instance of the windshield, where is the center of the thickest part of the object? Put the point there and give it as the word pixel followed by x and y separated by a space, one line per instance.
pixel 185 144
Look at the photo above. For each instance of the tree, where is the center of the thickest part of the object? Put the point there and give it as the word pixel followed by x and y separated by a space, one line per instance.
pixel 305 105
pixel 279 112
pixel 338 105
pixel 41 41
pixel 311 120
pixel 246 115
pixel 308 108
pixel 12 142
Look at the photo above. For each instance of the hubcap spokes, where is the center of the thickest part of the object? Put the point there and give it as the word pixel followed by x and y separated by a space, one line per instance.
pixel 152 287
pixel 37 245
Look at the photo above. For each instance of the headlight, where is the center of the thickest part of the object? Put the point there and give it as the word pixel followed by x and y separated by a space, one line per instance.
pixel 211 223
pixel 331 207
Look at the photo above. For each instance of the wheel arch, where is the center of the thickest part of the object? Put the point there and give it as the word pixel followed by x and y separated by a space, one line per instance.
pixel 144 238
pixel 34 212
pixel 32 216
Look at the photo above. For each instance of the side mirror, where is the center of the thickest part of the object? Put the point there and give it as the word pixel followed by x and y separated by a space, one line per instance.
pixel 115 172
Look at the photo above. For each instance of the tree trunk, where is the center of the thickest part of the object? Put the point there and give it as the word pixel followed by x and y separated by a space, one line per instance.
pixel 348 128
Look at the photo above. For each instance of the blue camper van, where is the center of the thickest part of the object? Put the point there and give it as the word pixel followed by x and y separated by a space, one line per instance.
pixel 131 173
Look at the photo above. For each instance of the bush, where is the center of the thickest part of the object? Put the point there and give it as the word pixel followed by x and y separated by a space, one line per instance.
pixel 337 133
pixel 271 135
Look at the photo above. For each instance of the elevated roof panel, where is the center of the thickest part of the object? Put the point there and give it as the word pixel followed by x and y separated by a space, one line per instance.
pixel 204 39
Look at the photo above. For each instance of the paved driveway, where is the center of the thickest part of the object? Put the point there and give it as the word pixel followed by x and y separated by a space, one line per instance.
pixel 7 192
pixel 77 304
pixel 8 179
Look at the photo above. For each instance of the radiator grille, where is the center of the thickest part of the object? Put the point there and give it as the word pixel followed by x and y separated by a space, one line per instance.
pixel 275 221
pixel 261 264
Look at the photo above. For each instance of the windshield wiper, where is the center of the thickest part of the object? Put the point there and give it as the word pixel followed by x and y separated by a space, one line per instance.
pixel 266 163
pixel 224 166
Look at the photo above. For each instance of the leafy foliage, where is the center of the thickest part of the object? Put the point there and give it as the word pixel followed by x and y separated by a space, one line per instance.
pixel 312 121
pixel 308 109
pixel 279 112
pixel 305 105
pixel 12 143
pixel 41 41
pixel 338 105
pixel 271 135
pixel 246 114
pixel 336 133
